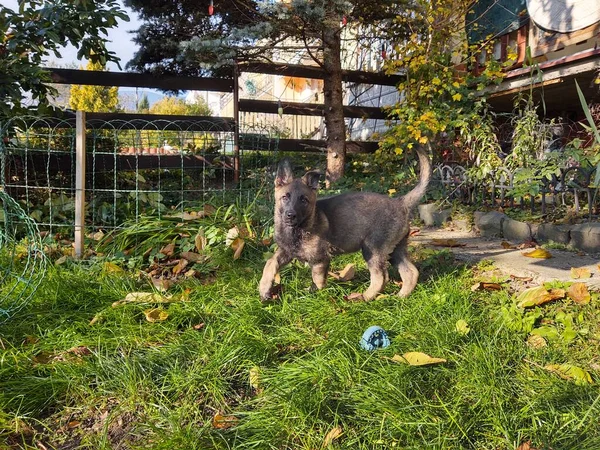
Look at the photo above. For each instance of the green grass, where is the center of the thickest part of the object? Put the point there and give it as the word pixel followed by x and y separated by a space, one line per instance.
pixel 159 385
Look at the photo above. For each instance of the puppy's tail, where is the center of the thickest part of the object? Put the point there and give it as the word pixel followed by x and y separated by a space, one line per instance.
pixel 413 197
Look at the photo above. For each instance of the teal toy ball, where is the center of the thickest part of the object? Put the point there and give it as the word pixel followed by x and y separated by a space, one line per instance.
pixel 373 338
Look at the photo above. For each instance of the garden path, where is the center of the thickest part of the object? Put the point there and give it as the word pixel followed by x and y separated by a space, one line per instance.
pixel 511 260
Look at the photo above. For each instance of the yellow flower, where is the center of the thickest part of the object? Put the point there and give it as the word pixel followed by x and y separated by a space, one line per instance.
pixel 391 191
pixel 456 84
pixel 436 81
pixel 423 140
pixel 456 97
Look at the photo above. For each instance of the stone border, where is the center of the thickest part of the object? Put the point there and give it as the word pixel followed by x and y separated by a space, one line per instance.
pixel 582 236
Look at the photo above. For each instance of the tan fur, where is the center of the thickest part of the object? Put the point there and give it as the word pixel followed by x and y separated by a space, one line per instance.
pixel 313 230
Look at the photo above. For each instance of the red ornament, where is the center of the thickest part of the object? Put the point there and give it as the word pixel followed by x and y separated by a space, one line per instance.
pixel 211 8
pixel 383 52
pixel 344 20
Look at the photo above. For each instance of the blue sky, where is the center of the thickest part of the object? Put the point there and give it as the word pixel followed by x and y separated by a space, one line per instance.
pixel 120 38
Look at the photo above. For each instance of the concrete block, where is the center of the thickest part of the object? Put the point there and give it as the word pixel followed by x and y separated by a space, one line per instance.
pixel 432 215
pixel 552 232
pixel 586 237
pixel 489 224
pixel 515 231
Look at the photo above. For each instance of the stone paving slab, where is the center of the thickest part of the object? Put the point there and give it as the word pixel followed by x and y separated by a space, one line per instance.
pixel 510 261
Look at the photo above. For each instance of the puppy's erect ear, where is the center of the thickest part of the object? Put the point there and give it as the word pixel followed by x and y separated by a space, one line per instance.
pixel 284 173
pixel 311 179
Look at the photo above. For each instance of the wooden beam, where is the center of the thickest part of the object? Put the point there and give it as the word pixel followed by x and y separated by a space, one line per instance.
pixel 309 109
pixel 349 76
pixel 80 184
pixel 308 145
pixel 130 79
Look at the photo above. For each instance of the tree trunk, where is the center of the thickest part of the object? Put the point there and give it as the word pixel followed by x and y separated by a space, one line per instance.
pixel 334 100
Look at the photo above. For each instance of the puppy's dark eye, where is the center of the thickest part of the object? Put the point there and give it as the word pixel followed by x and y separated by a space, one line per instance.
pixel 304 200
pixel 286 197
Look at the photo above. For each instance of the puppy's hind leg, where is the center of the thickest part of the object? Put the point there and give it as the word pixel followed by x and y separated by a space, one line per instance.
pixel 408 272
pixel 378 269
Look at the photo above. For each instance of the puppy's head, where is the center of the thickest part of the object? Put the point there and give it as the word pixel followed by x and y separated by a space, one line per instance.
pixel 295 198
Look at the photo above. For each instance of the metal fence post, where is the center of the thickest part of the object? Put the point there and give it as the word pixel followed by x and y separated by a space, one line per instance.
pixel 79 183
pixel 236 119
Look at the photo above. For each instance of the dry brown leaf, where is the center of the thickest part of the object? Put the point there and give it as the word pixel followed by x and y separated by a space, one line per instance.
pixel 414 231
pixel 447 243
pixel 80 350
pixel 209 209
pixel 507 245
pixel 198 326
pixel 354 297
pixel 540 253
pixel 527 244
pixel 192 257
pixel 237 245
pixel 580 272
pixel 161 284
pixel 578 292
pixel 526 446
pixel 182 264
pixel 523 279
pixel 200 241
pixel 346 274
pixel 536 341
pixel 222 422
pixel 74 423
pixel 168 249
pixel 486 286
pixel 156 315
pixel 331 436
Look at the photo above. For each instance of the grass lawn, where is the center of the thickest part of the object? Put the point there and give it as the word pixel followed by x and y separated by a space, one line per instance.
pixel 227 372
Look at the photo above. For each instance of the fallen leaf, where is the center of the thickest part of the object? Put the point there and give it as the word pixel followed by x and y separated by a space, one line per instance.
pixel 200 241
pixel 63 259
pixel 486 286
pixel 536 341
pixel 523 279
pixel 199 326
pixel 168 249
pixel 538 296
pixel 540 253
pixel 507 245
pixel 161 284
pixel 354 297
pixel 156 315
pixel 182 264
pixel 447 243
pixel 570 372
pixel 80 350
pixel 96 318
pixel 254 379
pixel 527 244
pixel 414 231
pixel 417 359
pixel 331 436
pixel 580 272
pixel 190 273
pixel 111 267
pixel 578 292
pixel 232 235
pixel 237 245
pixel 209 209
pixel 192 257
pixel 143 297
pixel 346 274
pixel 222 422
pixel 74 423
pixel 526 446
pixel 462 327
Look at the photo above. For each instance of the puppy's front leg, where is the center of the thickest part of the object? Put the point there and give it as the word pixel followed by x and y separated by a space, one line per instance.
pixel 319 275
pixel 275 262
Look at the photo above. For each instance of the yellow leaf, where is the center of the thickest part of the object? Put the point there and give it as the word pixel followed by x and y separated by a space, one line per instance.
pixel 237 245
pixel 254 378
pixel 156 315
pixel 539 253
pixel 462 327
pixel 417 359
pixel 222 422
pixel 580 272
pixel 538 296
pixel 570 372
pixel 536 341
pixel 331 436
pixel 346 274
pixel 143 297
pixel 111 267
pixel 578 292
pixel 182 264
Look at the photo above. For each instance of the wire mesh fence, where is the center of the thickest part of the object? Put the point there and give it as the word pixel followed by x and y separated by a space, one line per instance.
pixel 133 167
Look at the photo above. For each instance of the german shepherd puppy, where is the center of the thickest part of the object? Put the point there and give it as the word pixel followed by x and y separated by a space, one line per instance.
pixel 312 230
